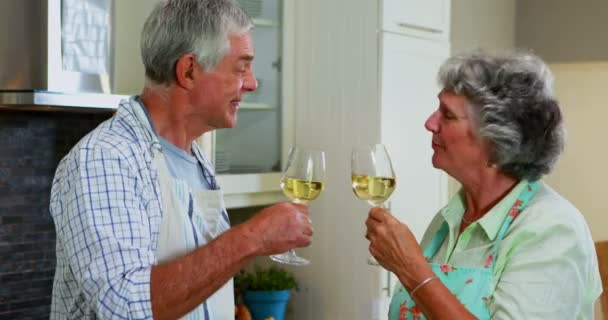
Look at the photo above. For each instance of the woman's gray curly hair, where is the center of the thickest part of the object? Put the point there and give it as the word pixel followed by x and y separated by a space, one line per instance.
pixel 513 108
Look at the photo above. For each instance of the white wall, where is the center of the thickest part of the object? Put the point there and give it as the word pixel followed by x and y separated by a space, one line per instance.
pixel 336 76
pixel 581 172
pixel 128 21
pixel 563 31
pixel 488 24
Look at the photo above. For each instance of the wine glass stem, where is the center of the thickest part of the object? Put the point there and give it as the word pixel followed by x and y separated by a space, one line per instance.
pixel 386 206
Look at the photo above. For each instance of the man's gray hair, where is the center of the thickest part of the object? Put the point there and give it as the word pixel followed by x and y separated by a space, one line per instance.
pixel 178 27
pixel 512 107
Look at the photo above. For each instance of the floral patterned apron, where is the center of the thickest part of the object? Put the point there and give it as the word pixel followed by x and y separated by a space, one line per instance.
pixel 471 285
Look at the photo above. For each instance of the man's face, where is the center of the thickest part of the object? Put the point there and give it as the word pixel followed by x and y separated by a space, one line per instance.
pixel 217 94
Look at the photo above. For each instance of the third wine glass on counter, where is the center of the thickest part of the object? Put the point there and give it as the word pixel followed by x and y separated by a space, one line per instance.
pixel 373 178
pixel 302 182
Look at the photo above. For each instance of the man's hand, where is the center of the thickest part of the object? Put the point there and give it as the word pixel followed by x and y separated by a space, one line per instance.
pixel 180 285
pixel 280 227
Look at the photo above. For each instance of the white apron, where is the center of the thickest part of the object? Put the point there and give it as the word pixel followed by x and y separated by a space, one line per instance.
pixel 178 235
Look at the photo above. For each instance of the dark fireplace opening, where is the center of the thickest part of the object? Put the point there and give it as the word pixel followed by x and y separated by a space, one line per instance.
pixel 31 145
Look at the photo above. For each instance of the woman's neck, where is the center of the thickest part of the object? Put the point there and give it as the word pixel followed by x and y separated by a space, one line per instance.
pixel 484 192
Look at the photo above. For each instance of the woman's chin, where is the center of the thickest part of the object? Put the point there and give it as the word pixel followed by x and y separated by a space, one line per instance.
pixel 436 162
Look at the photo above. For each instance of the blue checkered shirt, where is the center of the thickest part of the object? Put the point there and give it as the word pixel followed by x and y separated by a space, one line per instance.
pixel 106 205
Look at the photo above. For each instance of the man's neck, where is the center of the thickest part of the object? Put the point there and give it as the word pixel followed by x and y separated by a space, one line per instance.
pixel 169 111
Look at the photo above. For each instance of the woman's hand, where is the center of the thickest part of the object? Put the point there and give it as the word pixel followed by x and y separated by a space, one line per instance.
pixel 394 246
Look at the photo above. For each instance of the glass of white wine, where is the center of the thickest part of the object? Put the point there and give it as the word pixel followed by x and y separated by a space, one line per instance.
pixel 373 178
pixel 302 182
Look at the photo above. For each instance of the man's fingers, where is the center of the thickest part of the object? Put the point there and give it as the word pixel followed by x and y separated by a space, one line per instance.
pixel 309 231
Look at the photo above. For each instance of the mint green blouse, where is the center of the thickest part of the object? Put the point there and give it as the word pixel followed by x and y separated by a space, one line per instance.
pixel 546 267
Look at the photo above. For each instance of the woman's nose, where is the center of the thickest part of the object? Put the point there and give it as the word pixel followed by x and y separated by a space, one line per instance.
pixel 432 123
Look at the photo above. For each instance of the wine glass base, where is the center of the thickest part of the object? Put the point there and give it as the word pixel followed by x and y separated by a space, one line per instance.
pixel 372 261
pixel 290 258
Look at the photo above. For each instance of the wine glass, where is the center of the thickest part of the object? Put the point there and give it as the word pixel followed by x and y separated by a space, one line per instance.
pixel 302 182
pixel 373 178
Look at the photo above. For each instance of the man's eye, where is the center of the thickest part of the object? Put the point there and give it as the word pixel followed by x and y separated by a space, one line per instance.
pixel 241 68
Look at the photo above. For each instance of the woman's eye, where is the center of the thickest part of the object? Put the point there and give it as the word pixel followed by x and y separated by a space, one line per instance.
pixel 448 116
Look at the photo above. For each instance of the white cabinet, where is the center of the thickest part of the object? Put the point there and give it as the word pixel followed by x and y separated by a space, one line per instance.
pixel 408 96
pixel 421 18
pixel 248 158
pixel 354 86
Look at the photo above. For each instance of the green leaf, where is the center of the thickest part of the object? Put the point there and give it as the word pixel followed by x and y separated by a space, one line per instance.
pixel 272 278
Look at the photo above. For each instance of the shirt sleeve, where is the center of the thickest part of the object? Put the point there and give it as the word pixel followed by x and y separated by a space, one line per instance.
pixel 546 275
pixel 105 230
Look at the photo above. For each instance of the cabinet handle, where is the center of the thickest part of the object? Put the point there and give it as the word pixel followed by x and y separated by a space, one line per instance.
pixel 420 28
pixel 388 284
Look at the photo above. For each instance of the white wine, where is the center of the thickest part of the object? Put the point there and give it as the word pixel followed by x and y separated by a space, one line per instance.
pixel 374 190
pixel 301 191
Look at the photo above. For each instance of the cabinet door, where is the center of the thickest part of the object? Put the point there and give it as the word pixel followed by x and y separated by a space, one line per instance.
pixel 408 97
pixel 254 145
pixel 248 158
pixel 422 18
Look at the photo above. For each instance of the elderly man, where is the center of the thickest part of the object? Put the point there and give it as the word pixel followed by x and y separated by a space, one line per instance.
pixel 141 227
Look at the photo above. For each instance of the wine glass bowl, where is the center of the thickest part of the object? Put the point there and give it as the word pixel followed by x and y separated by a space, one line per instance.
pixel 302 182
pixel 372 176
pixel 301 191
pixel 375 190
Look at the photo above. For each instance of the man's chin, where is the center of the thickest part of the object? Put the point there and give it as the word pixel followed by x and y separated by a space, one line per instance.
pixel 231 122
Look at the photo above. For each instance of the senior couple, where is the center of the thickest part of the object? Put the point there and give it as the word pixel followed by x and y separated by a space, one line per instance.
pixel 142 231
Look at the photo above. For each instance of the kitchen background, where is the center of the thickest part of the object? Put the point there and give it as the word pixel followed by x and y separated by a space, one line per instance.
pixel 332 92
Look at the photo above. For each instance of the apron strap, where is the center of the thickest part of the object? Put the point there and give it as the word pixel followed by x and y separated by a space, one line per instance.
pixel 518 206
pixel 209 176
pixel 522 201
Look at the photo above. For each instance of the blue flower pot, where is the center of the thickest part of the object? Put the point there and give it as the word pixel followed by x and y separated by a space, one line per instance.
pixel 264 304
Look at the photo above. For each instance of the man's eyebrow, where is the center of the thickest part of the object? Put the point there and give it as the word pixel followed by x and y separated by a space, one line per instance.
pixel 246 57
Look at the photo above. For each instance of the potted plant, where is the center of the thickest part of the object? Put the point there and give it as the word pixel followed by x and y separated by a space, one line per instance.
pixel 266 291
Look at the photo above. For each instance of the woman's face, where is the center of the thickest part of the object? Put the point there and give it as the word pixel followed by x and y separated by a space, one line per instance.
pixel 457 149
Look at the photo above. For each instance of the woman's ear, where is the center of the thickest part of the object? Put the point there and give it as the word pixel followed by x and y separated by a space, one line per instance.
pixel 184 71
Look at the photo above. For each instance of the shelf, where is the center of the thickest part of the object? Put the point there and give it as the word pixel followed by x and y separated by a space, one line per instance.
pixel 246 190
pixel 256 106
pixel 265 23
pixel 47 100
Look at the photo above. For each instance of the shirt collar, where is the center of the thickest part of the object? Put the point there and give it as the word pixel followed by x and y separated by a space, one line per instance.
pixel 492 220
pixel 145 110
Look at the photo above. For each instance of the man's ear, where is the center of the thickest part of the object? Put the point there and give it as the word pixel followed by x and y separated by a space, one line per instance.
pixel 184 71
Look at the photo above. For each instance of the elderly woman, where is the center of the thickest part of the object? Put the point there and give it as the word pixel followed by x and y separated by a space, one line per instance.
pixel 506 246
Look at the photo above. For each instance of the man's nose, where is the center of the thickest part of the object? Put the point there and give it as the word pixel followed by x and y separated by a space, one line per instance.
pixel 250 83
